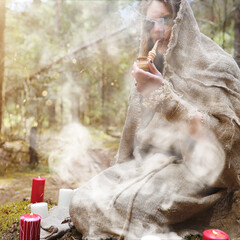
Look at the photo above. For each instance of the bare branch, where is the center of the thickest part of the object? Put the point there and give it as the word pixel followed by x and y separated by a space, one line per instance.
pixel 49 66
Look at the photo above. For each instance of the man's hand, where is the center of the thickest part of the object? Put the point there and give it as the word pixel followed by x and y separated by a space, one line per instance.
pixel 147 81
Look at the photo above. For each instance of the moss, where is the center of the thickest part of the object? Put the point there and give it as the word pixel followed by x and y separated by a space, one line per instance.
pixel 193 237
pixel 10 216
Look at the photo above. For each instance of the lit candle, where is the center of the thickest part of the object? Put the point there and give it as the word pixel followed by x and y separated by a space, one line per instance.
pixel 37 195
pixel 40 208
pixel 214 234
pixel 29 227
pixel 64 197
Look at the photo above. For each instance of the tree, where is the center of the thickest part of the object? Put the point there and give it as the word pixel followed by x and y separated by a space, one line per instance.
pixel 237 33
pixel 2 55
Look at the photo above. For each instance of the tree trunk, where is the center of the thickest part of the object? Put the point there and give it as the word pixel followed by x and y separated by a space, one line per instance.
pixel 2 56
pixel 224 25
pixel 32 147
pixel 58 6
pixel 37 3
pixel 52 112
pixel 75 107
pixel 237 33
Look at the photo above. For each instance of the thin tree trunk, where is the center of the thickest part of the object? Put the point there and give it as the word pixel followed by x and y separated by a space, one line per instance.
pixel 32 147
pixel 58 14
pixel 61 111
pixel 224 24
pixel 213 11
pixel 52 112
pixel 2 56
pixel 75 107
pixel 37 3
pixel 237 33
pixel 103 92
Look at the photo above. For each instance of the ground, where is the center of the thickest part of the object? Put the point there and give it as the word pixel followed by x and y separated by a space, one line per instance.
pixel 15 190
pixel 16 181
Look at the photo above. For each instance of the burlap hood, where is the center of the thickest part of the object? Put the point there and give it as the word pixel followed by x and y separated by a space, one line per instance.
pixel 200 70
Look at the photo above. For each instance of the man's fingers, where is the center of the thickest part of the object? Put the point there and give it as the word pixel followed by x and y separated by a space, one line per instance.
pixel 135 67
pixel 139 74
pixel 153 69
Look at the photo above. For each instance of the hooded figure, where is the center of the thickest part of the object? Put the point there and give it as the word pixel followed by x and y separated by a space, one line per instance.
pixel 179 153
pixel 178 162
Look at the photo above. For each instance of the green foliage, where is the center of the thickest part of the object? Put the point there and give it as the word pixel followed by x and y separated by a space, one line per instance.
pixel 215 19
pixel 92 85
pixel 88 86
pixel 10 216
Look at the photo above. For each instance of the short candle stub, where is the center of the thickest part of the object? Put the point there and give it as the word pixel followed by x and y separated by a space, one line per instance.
pixel 40 208
pixel 29 227
pixel 215 234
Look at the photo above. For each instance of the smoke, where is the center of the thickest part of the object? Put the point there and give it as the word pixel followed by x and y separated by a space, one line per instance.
pixel 162 236
pixel 172 168
pixel 70 157
pixel 129 14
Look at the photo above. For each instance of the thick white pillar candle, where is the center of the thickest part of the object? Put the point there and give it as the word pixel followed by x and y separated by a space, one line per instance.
pixel 40 209
pixel 64 197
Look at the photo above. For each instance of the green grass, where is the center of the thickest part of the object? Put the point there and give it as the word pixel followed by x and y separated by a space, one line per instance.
pixel 10 216
pixel 103 139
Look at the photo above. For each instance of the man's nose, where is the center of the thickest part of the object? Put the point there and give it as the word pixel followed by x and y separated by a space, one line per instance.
pixel 158 27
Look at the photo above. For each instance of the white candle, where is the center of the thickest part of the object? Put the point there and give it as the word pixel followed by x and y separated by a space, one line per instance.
pixel 150 237
pixel 64 197
pixel 40 209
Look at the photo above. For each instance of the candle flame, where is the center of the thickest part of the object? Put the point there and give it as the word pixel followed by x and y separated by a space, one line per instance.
pixel 31 214
pixel 39 177
pixel 214 232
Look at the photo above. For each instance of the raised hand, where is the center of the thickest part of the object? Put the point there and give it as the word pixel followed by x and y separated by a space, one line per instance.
pixel 146 82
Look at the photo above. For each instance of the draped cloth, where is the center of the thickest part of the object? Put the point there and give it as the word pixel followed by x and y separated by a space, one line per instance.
pixel 164 179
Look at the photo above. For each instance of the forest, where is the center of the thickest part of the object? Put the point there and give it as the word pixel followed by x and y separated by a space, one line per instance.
pixel 65 79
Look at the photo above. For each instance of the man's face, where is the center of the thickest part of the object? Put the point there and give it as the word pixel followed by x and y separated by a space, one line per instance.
pixel 159 20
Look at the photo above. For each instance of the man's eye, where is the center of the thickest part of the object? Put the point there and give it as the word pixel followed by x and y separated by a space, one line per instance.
pixel 168 20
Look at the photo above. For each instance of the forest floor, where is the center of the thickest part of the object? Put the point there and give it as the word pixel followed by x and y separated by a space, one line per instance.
pixel 16 183
pixel 15 189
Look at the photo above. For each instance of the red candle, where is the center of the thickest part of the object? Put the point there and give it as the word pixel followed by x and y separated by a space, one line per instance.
pixel 214 234
pixel 38 184
pixel 29 227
